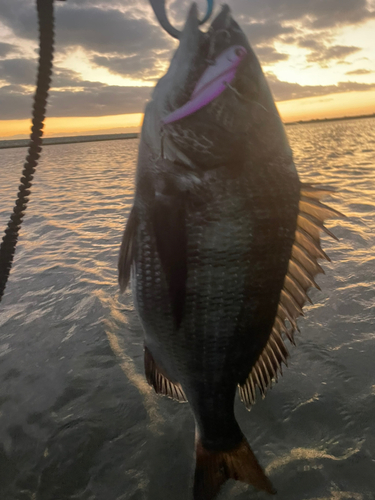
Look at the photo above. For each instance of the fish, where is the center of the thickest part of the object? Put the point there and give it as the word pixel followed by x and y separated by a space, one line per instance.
pixel 221 245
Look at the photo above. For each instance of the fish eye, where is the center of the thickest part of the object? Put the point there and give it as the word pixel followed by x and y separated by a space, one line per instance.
pixel 240 51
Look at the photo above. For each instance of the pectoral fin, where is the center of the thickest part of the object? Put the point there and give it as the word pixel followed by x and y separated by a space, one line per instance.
pixel 171 242
pixel 126 256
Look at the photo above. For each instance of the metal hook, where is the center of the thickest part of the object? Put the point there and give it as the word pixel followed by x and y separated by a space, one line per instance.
pixel 158 7
pixel 210 8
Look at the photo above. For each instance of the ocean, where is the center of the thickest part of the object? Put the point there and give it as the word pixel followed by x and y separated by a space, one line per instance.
pixel 78 420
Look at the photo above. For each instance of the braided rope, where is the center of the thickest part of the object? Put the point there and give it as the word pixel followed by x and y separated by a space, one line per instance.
pixel 46 41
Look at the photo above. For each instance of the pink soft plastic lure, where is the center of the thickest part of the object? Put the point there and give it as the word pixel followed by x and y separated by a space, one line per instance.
pixel 212 83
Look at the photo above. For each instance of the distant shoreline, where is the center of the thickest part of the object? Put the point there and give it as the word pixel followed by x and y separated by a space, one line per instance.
pixel 53 141
pixel 323 120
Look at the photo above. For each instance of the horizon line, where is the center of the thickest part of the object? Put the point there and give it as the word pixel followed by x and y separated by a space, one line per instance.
pixel 75 139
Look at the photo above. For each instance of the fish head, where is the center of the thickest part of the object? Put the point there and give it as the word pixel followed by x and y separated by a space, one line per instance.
pixel 214 106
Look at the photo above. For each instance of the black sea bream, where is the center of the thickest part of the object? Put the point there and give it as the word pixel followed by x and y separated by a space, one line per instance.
pixel 221 244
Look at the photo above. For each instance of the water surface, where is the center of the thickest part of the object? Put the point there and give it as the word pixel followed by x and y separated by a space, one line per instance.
pixel 78 421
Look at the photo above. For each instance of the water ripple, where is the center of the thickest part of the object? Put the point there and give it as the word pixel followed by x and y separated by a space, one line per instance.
pixel 77 417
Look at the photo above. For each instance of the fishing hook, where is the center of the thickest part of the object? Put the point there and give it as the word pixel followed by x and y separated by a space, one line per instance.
pixel 158 7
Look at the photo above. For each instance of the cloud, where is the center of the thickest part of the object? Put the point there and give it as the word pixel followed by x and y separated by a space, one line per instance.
pixel 315 13
pixel 359 72
pixel 258 30
pixel 70 95
pixel 126 39
pixel 285 91
pixel 268 55
pixel 6 48
pixel 23 72
pixel 320 49
pixel 342 62
pixel 99 100
pixel 67 78
pixel 108 31
pixel 265 31
pixel 341 12
pixel 147 66
pixel 118 36
pixel 15 103
pixel 324 54
pixel 309 43
pixel 18 71
pixel 125 27
pixel 94 100
pixel 102 30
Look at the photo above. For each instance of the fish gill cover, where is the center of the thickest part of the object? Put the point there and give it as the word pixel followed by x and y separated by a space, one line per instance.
pixel 221 244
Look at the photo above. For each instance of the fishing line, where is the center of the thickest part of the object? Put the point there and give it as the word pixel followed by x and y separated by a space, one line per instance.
pixel 243 98
pixel 46 46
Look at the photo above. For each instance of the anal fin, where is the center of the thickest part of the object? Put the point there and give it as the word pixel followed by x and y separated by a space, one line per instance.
pixel 160 382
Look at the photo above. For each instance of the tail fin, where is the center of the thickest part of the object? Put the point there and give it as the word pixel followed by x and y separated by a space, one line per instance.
pixel 214 468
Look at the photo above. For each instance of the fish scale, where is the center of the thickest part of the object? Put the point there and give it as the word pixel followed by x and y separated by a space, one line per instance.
pixel 214 300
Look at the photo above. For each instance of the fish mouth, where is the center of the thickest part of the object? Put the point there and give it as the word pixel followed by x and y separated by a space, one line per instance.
pixel 212 83
pixel 214 60
pixel 201 107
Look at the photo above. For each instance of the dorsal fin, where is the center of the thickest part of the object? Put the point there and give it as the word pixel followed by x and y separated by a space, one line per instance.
pixel 302 269
pixel 160 382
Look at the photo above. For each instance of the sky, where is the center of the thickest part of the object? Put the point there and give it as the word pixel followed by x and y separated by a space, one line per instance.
pixel 318 57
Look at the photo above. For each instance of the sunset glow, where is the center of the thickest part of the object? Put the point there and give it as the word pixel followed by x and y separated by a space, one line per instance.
pixel 84 125
pixel 319 61
pixel 333 106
